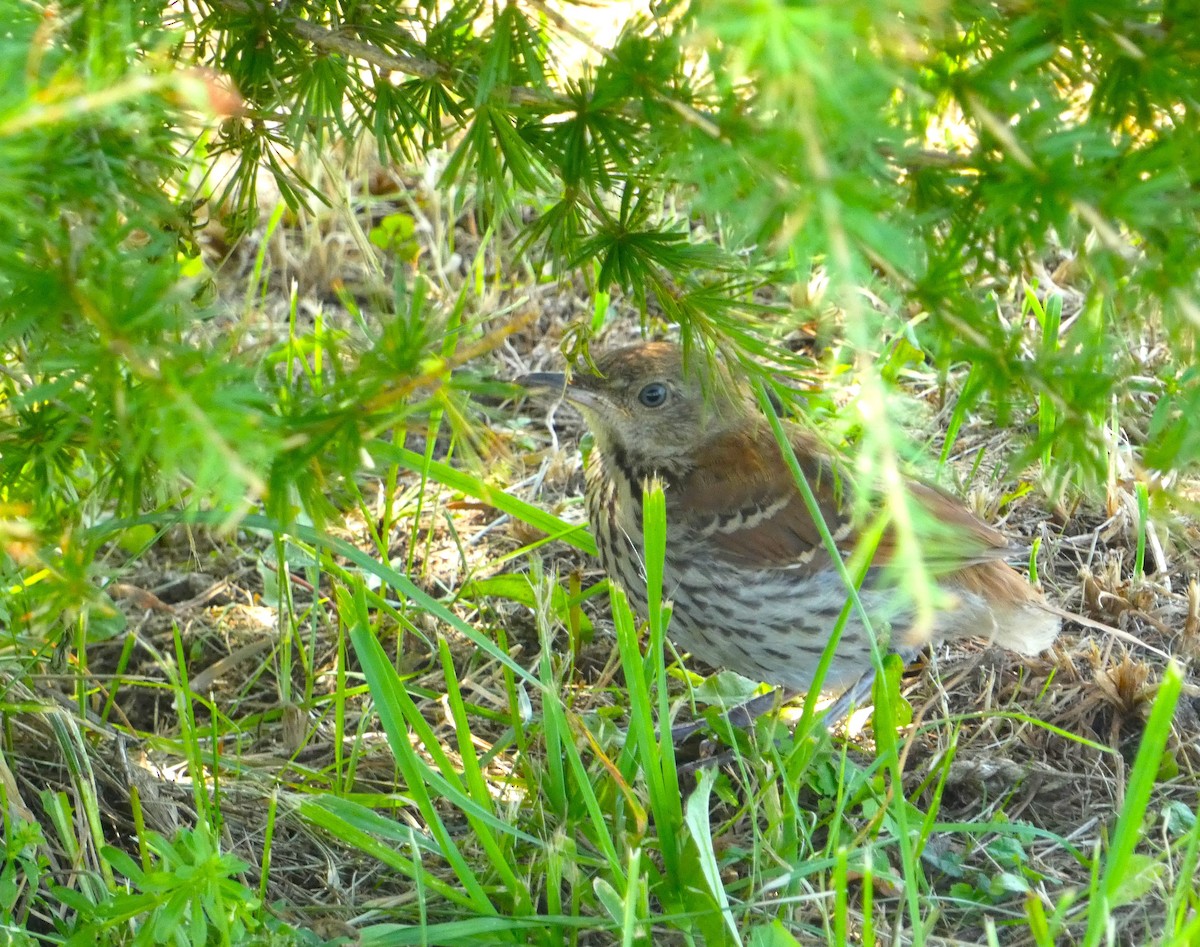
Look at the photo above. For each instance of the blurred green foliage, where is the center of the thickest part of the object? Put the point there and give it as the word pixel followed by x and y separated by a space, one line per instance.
pixel 933 153
pixel 930 153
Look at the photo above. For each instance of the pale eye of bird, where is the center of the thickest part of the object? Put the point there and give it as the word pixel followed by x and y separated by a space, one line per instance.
pixel 653 395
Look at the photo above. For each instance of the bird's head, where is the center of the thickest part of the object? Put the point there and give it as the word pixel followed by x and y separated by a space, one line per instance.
pixel 645 404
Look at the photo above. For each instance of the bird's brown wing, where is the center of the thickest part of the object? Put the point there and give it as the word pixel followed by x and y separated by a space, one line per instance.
pixel 964 539
pixel 743 503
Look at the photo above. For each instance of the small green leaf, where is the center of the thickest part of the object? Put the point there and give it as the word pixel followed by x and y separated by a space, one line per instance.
pixel 1179 818
pixel 136 539
pixel 1008 881
pixel 726 689
pixel 610 900
pixel 772 935
pixel 396 234
pixel 1142 874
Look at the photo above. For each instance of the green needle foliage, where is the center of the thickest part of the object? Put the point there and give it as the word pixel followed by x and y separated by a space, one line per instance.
pixel 928 152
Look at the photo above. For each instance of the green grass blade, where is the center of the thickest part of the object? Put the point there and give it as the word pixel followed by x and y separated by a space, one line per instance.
pixel 1120 862
pixel 389 696
pixel 573 533
pixel 697 816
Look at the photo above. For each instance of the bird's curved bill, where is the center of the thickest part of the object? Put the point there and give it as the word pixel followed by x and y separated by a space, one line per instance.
pixel 582 391
pixel 555 382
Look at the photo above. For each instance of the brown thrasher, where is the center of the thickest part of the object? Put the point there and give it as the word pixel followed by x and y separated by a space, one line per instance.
pixel 752 585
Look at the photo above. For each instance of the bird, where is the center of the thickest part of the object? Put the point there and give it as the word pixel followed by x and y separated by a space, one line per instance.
pixel 753 587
